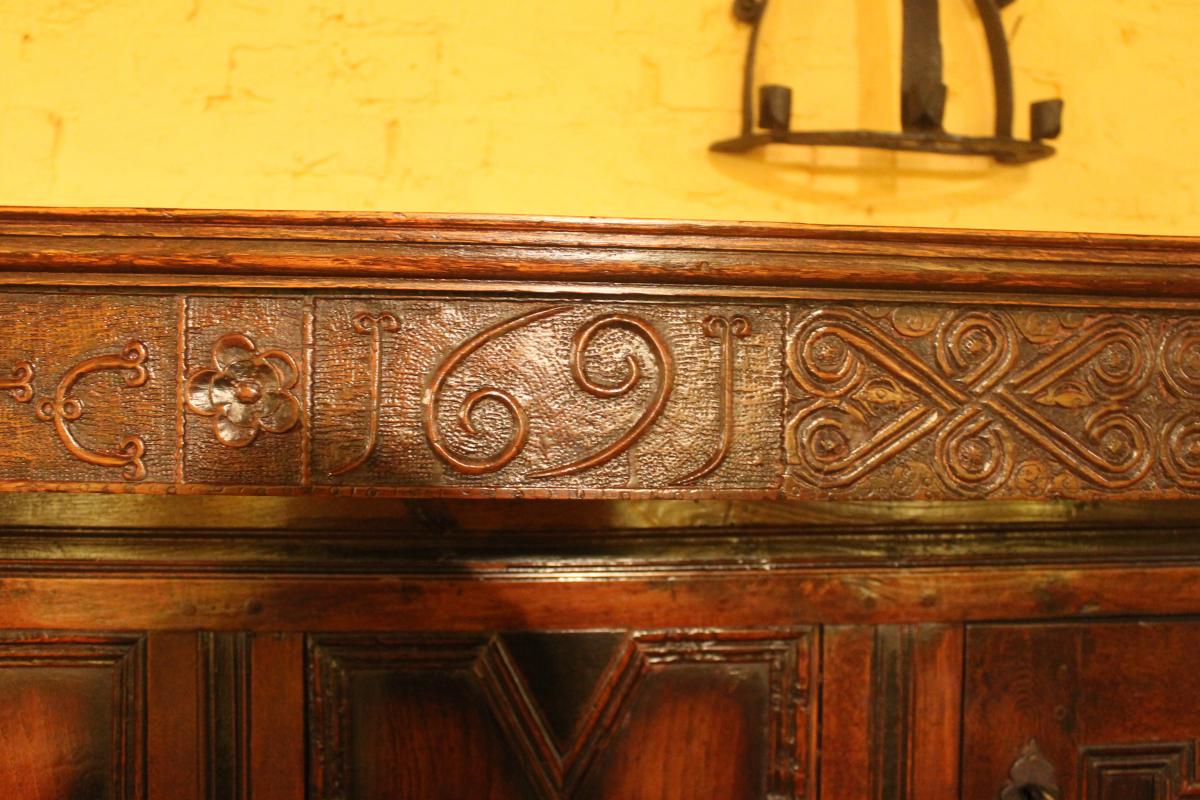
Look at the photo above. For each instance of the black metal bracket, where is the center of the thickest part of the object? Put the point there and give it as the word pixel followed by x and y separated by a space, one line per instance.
pixel 922 97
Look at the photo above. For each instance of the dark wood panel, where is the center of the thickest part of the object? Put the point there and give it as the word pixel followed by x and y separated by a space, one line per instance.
pixel 277 768
pixel 1113 708
pixel 405 718
pixel 937 712
pixel 685 714
pixel 694 732
pixel 225 716
pixel 71 716
pixel 846 684
pixel 225 660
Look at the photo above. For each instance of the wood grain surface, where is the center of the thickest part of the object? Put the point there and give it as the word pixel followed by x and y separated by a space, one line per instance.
pixel 361 505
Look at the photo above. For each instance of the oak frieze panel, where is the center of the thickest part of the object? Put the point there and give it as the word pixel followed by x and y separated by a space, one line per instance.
pixel 589 396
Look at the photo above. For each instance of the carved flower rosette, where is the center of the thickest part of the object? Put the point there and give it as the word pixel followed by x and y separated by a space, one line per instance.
pixel 245 391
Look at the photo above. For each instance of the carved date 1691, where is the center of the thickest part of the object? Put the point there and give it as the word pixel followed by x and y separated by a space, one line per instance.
pixel 598 398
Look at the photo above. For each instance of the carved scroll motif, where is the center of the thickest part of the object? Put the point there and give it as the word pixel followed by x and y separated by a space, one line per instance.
pixel 374 326
pixel 64 409
pixel 580 343
pixel 1181 438
pixel 876 398
pixel 20 383
pixel 724 330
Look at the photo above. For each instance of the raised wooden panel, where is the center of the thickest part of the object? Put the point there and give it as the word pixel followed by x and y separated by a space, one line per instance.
pixel 1112 708
pixel 391 717
pixel 685 714
pixel 1149 771
pixel 691 732
pixel 71 717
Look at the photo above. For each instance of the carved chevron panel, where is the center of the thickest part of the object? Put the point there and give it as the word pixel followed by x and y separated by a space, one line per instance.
pixel 593 397
pixel 388 714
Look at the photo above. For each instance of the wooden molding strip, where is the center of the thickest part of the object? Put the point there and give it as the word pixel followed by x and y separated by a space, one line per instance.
pixel 242 245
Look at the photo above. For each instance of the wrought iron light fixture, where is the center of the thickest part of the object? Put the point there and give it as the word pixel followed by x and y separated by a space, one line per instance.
pixel 922 97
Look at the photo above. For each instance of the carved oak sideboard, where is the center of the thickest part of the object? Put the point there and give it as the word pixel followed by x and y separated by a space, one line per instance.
pixel 342 506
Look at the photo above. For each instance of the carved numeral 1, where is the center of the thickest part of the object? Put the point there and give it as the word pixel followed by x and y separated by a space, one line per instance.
pixel 724 330
pixel 374 326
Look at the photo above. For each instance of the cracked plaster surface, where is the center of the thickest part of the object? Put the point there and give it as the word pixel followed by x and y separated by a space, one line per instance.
pixel 589 107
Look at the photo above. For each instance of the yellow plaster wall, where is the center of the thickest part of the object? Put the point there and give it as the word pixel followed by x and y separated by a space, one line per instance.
pixel 583 107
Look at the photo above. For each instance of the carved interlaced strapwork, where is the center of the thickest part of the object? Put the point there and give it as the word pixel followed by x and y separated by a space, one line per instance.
pixel 984 400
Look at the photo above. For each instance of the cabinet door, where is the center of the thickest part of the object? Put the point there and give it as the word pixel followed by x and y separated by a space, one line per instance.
pixel 665 715
pixel 1106 711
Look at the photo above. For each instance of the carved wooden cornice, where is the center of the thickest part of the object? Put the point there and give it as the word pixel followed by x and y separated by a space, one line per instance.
pixel 264 353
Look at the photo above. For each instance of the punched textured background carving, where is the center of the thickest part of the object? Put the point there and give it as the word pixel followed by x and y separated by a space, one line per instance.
pixel 275 392
pixel 638 405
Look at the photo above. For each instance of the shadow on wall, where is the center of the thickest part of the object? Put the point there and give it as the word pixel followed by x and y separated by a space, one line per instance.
pixel 879 181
